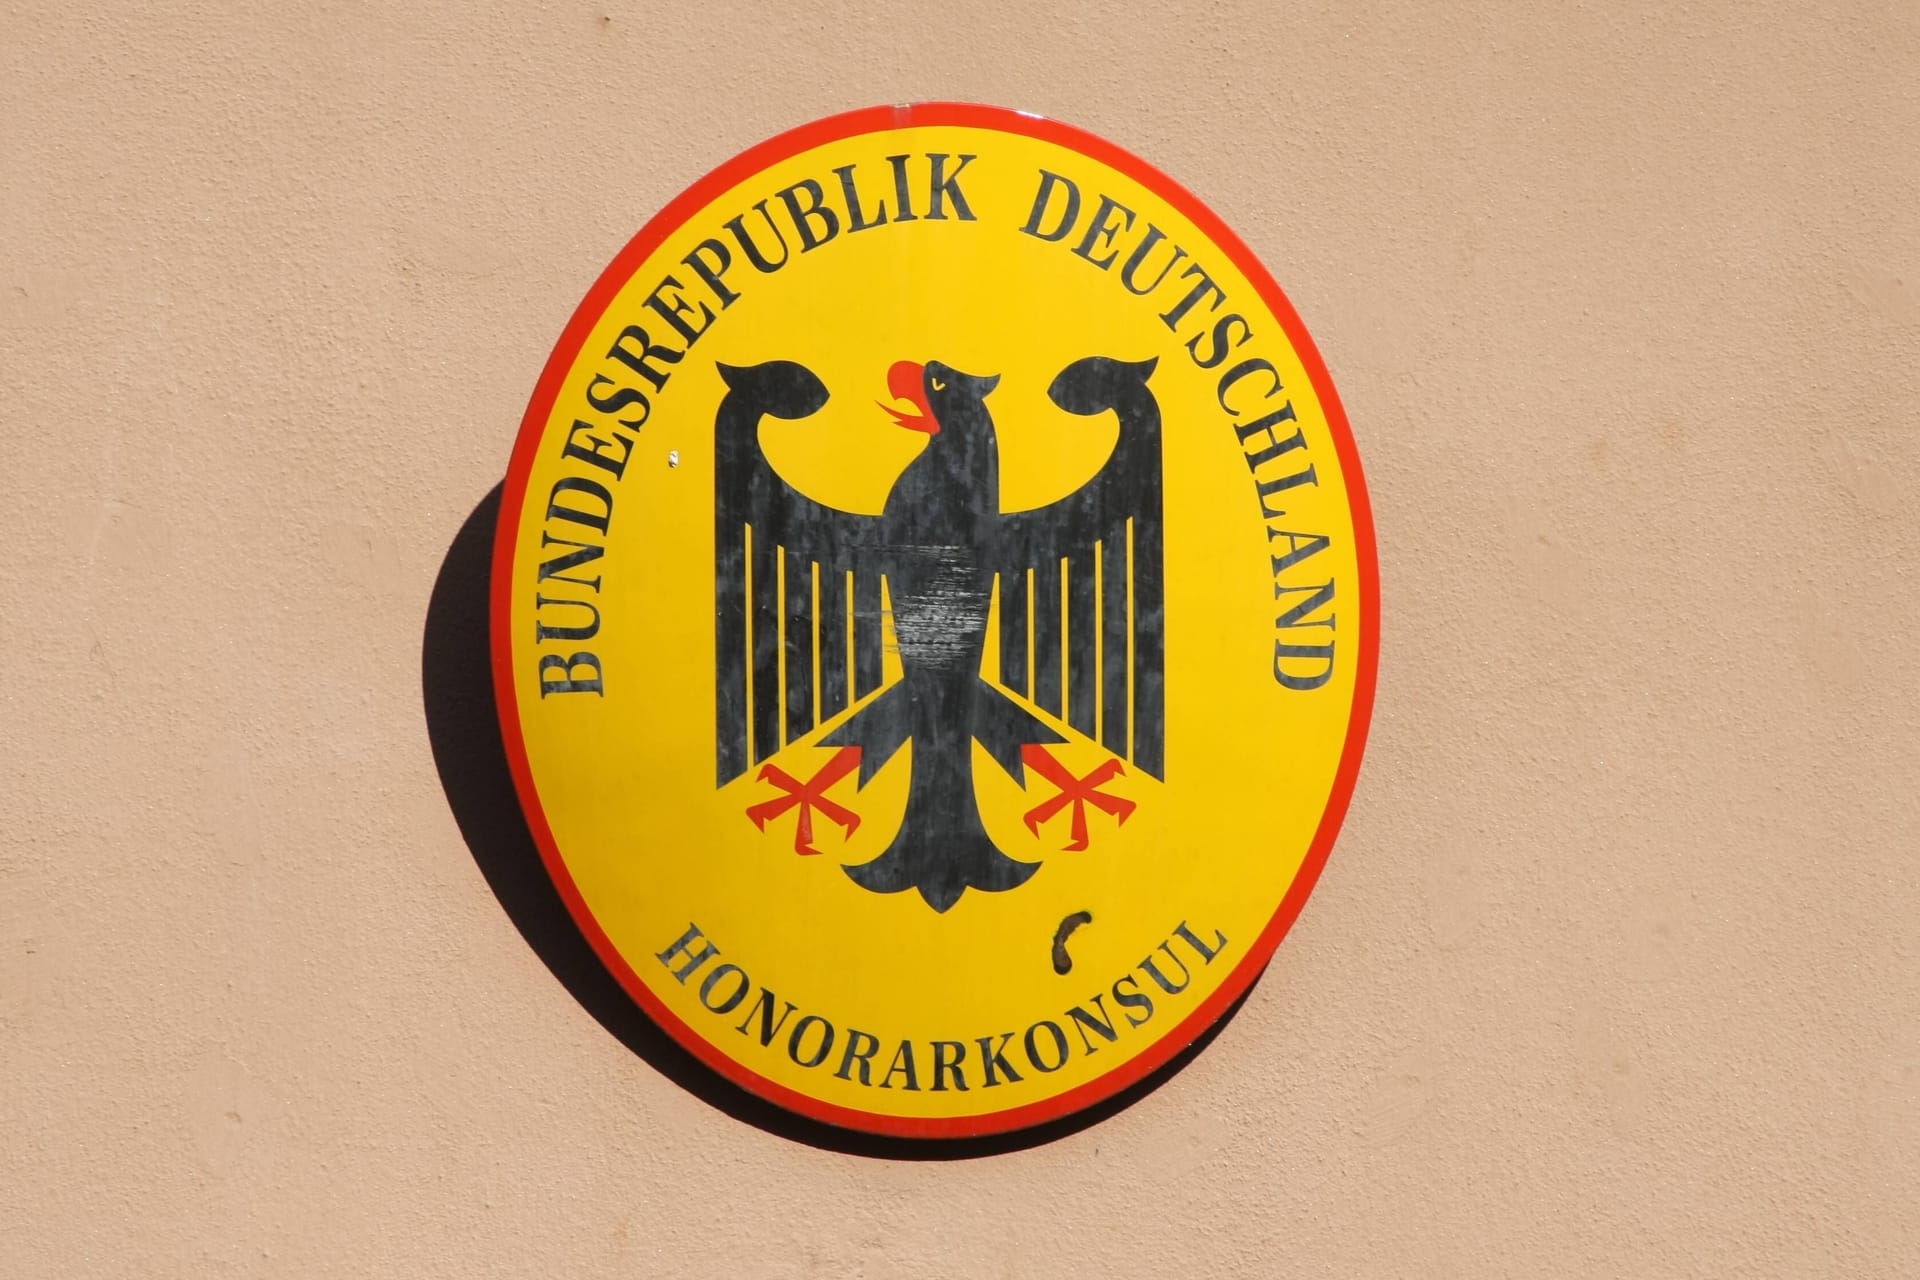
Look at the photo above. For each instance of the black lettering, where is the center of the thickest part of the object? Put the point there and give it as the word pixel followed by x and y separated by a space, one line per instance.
pixel 581 485
pixel 942 188
pixel 856 220
pixel 1173 318
pixel 672 309
pixel 855 1054
pixel 731 1002
pixel 1218 336
pixel 1240 371
pixel 594 454
pixel 1102 232
pixel 1084 1022
pixel 799 1033
pixel 542 632
pixel 1139 255
pixel 902 1065
pixel 816 207
pixel 942 1064
pixel 572 560
pixel 619 402
pixel 1275 446
pixel 760 261
pixel 1286 482
pixel 1138 1000
pixel 567 666
pixel 1207 953
pixel 1315 543
pixel 1296 616
pixel 1311 680
pixel 769 1028
pixel 683 946
pixel 1267 488
pixel 649 350
pixel 1059 1045
pixel 1049 181
pixel 902 196
pixel 712 273
pixel 994 1062
pixel 1153 971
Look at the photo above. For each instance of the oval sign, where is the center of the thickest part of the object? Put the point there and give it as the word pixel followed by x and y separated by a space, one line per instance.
pixel 934 619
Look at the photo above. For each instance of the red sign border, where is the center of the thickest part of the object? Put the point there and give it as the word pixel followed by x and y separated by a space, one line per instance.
pixel 594 305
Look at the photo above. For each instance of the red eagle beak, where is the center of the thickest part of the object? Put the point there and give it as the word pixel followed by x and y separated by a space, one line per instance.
pixel 907 380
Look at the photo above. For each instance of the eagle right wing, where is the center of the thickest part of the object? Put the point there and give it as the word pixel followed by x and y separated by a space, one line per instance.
pixel 1082 580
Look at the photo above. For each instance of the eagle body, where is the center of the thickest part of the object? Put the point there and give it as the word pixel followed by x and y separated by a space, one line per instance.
pixel 940 544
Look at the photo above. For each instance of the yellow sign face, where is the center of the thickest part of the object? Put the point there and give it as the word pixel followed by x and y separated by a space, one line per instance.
pixel 934 619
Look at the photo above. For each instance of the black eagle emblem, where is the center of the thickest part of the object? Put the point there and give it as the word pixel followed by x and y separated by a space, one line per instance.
pixel 1079 585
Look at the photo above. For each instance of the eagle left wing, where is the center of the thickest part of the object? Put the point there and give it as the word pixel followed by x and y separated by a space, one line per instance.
pixel 777 551
pixel 1082 580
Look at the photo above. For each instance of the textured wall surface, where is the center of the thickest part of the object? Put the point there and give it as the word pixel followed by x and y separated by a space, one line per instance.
pixel 1615 970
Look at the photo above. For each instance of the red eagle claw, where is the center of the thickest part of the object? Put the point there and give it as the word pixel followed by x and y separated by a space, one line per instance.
pixel 1078 792
pixel 809 795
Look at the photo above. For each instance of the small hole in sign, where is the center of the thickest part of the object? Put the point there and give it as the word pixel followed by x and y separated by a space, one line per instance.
pixel 1062 962
pixel 673 457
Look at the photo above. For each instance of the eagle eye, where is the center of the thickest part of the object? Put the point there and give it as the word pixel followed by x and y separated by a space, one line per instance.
pixel 938 385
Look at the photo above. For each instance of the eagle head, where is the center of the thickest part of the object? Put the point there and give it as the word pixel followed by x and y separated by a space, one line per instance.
pixel 939 394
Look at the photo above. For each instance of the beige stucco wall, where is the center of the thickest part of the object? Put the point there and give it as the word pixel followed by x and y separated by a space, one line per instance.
pixel 1614 971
